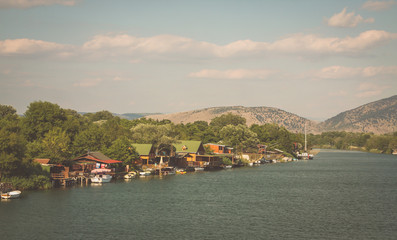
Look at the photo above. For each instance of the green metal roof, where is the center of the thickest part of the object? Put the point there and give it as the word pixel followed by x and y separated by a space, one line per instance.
pixel 187 146
pixel 142 149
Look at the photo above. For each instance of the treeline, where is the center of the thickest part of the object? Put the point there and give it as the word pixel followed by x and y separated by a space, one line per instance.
pixel 49 131
pixel 370 142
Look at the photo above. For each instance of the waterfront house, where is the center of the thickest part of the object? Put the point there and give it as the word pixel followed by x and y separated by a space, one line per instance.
pixel 218 148
pixel 92 160
pixel 146 154
pixel 192 154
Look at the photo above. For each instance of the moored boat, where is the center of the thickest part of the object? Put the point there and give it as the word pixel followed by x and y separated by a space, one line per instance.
pixel 145 173
pixel 180 171
pixel 100 175
pixel 130 175
pixel 11 195
pixel 101 178
pixel 198 169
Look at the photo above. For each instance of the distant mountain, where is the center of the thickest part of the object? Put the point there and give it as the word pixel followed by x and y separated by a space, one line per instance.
pixel 128 116
pixel 132 116
pixel 254 115
pixel 378 117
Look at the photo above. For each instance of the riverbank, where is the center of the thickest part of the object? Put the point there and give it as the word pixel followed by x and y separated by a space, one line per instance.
pixel 355 148
pixel 335 196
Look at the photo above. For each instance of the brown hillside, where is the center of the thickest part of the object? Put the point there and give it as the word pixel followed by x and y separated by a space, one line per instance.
pixel 254 115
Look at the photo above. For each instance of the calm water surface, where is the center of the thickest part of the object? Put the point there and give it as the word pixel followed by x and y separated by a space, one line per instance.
pixel 339 195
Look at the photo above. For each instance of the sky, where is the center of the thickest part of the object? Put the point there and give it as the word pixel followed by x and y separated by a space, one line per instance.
pixel 312 58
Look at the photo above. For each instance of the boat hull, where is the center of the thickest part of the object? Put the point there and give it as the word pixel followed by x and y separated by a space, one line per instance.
pixel 130 175
pixel 101 178
pixel 11 195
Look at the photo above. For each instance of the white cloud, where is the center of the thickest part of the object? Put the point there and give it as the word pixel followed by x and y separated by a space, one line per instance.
pixel 175 46
pixel 341 72
pixel 171 47
pixel 34 3
pixel 370 90
pixel 89 82
pixel 161 45
pixel 30 46
pixel 232 74
pixel 378 5
pixel 345 20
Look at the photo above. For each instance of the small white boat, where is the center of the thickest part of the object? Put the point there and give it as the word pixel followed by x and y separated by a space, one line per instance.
pixel 11 195
pixel 130 175
pixel 145 173
pixel 198 169
pixel 251 164
pixel 101 178
pixel 227 166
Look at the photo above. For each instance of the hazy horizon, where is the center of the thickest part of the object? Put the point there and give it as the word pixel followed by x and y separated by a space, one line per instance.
pixel 315 59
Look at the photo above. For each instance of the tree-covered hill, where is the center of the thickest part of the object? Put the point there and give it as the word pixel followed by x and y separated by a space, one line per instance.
pixel 253 115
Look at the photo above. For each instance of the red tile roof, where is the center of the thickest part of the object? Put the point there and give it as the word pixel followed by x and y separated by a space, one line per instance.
pixel 42 160
pixel 89 157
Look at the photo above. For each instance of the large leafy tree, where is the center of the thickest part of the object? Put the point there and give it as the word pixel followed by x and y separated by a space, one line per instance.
pixel 122 150
pixel 228 119
pixel 161 136
pixel 240 137
pixel 93 139
pixel 12 142
pixel 101 115
pixel 41 117
pixel 56 145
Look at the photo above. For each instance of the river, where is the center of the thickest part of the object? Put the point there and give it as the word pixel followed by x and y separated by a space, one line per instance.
pixel 339 195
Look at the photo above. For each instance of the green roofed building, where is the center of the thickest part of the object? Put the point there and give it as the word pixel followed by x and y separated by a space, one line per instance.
pixel 192 147
pixel 192 154
pixel 146 153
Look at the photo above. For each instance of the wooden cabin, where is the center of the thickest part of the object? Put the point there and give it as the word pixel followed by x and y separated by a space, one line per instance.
pixel 92 160
pixel 146 154
pixel 192 154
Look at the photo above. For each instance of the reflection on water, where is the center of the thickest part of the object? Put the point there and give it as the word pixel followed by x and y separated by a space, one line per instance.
pixel 339 195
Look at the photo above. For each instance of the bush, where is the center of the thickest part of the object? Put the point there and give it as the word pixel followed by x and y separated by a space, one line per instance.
pixel 226 161
pixel 31 183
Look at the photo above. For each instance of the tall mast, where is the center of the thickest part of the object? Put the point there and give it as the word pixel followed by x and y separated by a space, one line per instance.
pixel 305 139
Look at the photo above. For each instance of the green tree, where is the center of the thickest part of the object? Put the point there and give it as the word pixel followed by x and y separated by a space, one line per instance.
pixel 12 142
pixel 122 150
pixel 240 137
pixel 41 117
pixel 93 139
pixel 56 145
pixel 227 119
pixel 161 136
pixel 101 115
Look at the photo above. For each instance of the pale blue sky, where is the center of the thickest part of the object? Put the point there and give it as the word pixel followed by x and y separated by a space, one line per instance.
pixel 312 58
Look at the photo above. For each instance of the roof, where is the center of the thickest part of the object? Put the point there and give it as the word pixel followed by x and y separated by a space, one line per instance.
pixel 215 144
pixel 97 157
pixel 42 160
pixel 188 146
pixel 142 149
pixel 182 155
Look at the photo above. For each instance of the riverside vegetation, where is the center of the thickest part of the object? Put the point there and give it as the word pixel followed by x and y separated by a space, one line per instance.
pixel 49 131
